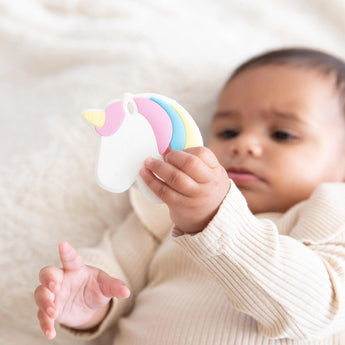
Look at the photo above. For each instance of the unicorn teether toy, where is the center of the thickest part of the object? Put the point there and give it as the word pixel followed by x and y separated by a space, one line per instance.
pixel 133 129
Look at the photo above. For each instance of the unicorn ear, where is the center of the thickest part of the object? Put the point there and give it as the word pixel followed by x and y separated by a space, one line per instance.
pixel 95 117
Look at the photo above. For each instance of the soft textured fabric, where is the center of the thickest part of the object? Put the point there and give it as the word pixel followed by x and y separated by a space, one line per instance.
pixel 266 279
pixel 60 57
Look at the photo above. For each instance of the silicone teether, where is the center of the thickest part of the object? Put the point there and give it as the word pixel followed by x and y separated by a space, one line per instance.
pixel 134 128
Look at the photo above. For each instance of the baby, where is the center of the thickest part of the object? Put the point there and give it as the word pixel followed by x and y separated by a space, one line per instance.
pixel 256 254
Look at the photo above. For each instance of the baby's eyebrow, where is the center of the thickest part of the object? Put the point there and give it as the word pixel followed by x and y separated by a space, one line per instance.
pixel 288 116
pixel 271 113
pixel 226 114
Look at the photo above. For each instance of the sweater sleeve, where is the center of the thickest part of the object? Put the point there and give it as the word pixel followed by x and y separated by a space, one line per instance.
pixel 293 286
pixel 126 252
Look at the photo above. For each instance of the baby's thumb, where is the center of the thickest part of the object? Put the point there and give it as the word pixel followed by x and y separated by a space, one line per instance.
pixel 112 287
pixel 69 257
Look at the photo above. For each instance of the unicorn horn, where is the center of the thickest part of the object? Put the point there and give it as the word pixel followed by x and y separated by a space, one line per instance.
pixel 95 117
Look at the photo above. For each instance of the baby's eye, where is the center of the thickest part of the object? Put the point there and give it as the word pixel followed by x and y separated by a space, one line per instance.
pixel 282 136
pixel 227 134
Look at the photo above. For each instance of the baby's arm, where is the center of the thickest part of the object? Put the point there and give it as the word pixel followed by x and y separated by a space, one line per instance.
pixel 76 295
pixel 194 185
pixel 293 286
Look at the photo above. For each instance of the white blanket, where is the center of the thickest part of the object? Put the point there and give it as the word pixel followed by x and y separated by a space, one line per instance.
pixel 58 57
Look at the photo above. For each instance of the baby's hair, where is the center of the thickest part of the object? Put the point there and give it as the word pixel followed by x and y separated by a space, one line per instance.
pixel 301 57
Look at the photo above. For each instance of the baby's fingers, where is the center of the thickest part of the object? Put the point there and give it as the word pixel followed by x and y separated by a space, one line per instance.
pixel 46 310
pixel 193 163
pixel 46 324
pixel 205 154
pixel 173 178
pixel 111 287
pixel 44 299
pixel 70 258
pixel 51 277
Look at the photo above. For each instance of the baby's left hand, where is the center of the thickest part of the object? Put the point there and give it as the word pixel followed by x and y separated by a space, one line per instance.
pixel 194 185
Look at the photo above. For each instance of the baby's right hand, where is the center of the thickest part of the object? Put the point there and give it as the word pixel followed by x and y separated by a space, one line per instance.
pixel 76 295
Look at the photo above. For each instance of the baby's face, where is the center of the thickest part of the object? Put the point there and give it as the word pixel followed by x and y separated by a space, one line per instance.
pixel 279 131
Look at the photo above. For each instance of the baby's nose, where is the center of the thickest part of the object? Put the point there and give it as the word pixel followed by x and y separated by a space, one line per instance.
pixel 247 146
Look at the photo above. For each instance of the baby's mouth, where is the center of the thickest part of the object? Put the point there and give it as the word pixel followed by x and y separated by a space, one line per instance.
pixel 243 176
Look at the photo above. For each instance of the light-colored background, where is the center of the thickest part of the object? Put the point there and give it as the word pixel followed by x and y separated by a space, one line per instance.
pixel 58 57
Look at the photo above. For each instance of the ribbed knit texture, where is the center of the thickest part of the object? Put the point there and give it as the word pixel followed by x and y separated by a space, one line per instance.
pixel 243 280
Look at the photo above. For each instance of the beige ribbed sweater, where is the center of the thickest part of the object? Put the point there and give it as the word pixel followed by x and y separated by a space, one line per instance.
pixel 266 279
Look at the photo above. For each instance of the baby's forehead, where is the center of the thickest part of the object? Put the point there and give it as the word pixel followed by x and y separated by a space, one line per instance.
pixel 316 67
pixel 281 83
pixel 309 110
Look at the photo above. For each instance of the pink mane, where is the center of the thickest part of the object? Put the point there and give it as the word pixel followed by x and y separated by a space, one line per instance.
pixel 154 114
